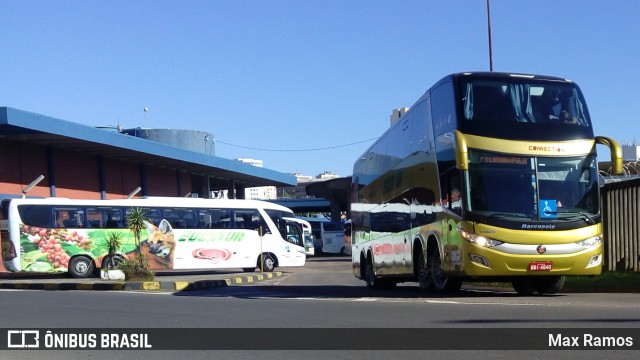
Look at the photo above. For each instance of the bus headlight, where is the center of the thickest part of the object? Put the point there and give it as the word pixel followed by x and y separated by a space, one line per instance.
pixel 590 242
pixel 478 239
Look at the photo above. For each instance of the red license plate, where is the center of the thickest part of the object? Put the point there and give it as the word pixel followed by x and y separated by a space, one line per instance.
pixel 540 265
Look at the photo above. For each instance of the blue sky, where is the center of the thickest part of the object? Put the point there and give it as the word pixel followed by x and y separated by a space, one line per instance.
pixel 278 80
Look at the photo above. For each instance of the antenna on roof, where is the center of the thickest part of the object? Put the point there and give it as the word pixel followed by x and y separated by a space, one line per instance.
pixel 489 31
pixel 134 192
pixel 31 186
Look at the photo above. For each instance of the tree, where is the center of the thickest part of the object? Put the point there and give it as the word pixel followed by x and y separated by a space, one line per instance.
pixel 113 242
pixel 139 268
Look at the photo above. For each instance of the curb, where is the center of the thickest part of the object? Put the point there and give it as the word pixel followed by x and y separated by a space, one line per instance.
pixel 170 286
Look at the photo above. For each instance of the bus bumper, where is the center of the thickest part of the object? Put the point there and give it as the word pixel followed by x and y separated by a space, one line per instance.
pixel 480 261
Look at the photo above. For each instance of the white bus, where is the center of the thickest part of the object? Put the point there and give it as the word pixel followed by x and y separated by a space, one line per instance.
pixel 328 235
pixel 307 235
pixel 347 237
pixel 58 235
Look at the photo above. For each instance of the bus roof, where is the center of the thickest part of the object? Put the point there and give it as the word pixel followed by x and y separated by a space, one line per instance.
pixel 156 201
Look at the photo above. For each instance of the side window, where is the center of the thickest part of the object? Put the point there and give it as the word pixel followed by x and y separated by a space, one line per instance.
pixel 115 218
pixel 421 127
pixel 104 217
pixel 294 233
pixel 95 218
pixel 443 109
pixel 4 214
pixel 315 229
pixel 69 217
pixel 174 217
pixel 203 218
pixel 182 218
pixel 36 215
pixel 152 215
pixel 451 192
pixel 220 218
pixel 248 219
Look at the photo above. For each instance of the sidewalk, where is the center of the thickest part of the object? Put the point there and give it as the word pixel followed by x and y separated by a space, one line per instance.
pixel 164 281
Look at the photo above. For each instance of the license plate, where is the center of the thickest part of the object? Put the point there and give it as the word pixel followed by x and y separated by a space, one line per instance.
pixel 540 265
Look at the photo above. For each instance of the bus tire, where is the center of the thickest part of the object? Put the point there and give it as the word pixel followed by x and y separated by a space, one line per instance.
pixel 112 262
pixel 548 284
pixel 523 286
pixel 370 276
pixel 441 281
pixel 81 267
pixel 424 273
pixel 268 263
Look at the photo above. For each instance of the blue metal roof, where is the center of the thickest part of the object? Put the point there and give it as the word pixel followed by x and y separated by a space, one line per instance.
pixel 30 127
pixel 304 205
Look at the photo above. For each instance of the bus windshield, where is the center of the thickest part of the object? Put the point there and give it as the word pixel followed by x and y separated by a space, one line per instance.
pixel 523 106
pixel 535 188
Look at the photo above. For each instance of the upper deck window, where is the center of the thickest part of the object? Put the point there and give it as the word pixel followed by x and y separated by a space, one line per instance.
pixel 522 109
pixel 524 102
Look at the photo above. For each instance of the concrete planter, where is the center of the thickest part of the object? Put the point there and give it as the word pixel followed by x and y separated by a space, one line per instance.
pixel 112 275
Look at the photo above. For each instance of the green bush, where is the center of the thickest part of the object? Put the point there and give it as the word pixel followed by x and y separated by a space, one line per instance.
pixel 136 269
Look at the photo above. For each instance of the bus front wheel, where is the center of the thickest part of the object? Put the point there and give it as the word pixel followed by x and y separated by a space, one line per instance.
pixel 548 284
pixel 523 286
pixel 81 267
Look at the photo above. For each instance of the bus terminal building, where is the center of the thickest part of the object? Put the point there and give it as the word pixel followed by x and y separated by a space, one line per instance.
pixel 80 161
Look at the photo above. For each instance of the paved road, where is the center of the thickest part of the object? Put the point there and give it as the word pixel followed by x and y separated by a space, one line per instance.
pixel 323 295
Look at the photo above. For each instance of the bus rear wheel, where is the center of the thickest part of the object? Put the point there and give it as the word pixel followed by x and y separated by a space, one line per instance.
pixel 112 262
pixel 424 274
pixel 369 275
pixel 268 263
pixel 441 281
pixel 81 267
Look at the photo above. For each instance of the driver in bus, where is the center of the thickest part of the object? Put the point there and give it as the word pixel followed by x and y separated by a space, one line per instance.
pixel 455 199
pixel 62 217
pixel 566 118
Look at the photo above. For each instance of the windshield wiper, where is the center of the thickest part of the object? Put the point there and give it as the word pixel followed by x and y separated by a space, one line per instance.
pixel 580 215
pixel 504 215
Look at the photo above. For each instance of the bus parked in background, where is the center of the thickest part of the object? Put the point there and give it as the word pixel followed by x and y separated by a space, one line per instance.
pixel 332 233
pixel 489 176
pixel 307 236
pixel 347 237
pixel 328 236
pixel 59 235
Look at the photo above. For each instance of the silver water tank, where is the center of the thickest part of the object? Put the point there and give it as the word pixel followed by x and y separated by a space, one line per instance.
pixel 191 140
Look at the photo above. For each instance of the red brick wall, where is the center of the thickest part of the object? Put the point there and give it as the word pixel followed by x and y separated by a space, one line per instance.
pixel 161 182
pixel 77 174
pixel 20 164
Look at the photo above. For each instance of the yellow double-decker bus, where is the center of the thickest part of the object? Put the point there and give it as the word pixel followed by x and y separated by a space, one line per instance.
pixel 487 177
